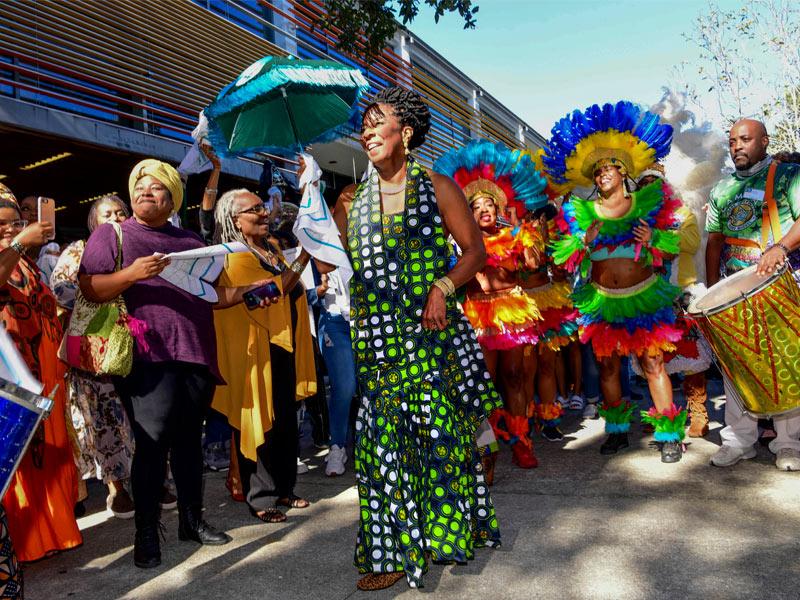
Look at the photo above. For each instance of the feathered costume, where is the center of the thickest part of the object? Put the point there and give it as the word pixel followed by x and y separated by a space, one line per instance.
pixel 633 320
pixel 559 324
pixel 508 318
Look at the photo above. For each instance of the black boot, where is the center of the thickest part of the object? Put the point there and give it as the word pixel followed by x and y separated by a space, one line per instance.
pixel 191 526
pixel 614 443
pixel 146 546
pixel 671 452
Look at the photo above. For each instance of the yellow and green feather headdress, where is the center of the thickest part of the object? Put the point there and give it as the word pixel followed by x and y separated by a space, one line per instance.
pixel 620 134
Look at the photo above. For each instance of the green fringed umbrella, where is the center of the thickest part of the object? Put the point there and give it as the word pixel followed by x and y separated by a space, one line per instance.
pixel 279 105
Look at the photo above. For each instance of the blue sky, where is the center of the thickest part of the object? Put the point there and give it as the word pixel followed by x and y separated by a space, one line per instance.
pixel 543 58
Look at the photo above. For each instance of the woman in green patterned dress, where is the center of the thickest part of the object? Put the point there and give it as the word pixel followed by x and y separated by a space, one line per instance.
pixel 423 384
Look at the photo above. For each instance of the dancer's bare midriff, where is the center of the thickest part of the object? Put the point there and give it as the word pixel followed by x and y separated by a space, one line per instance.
pixel 618 273
pixel 493 279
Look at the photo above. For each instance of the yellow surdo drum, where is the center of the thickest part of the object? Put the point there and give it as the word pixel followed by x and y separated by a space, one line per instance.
pixel 753 325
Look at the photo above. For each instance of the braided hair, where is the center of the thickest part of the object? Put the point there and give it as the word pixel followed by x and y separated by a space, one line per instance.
pixel 409 109
pixel 224 213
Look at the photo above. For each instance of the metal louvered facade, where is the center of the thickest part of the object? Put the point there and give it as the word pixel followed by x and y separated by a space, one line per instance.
pixel 132 75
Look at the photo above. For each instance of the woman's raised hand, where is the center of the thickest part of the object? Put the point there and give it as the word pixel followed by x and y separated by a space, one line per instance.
pixel 642 233
pixel 592 232
pixel 36 234
pixel 208 150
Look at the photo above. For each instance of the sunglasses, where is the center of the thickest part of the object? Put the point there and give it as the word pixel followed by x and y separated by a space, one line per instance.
pixel 258 209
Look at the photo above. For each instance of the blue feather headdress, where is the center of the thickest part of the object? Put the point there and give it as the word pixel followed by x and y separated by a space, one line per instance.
pixel 621 133
pixel 508 176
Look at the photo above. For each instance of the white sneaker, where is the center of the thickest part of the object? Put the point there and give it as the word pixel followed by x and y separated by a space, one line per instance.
pixel 576 402
pixel 301 467
pixel 590 411
pixel 335 459
pixel 788 459
pixel 727 456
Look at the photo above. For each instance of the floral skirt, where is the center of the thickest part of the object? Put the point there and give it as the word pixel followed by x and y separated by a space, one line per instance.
pixel 105 439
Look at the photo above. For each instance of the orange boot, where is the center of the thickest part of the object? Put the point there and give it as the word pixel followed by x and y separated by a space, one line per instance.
pixel 522 446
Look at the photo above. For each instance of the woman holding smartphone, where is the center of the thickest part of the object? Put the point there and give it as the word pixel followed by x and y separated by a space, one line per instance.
pixel 265 356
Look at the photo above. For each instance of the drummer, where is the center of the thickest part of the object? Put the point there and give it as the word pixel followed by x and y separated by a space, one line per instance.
pixel 738 238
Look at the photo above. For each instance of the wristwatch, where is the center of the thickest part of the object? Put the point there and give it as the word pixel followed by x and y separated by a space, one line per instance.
pixel 17 247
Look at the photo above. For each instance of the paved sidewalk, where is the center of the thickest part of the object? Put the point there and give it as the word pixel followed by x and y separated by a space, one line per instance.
pixel 580 526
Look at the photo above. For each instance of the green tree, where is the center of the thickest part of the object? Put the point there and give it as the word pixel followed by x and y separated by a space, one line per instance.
pixel 365 27
pixel 747 55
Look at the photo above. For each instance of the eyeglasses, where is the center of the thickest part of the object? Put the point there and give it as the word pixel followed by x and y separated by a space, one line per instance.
pixel 258 209
pixel 16 223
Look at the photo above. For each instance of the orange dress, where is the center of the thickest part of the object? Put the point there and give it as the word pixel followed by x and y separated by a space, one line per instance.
pixel 40 501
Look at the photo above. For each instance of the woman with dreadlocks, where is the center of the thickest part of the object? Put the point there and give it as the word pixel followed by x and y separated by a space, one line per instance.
pixel 265 355
pixel 423 385
pixel 616 241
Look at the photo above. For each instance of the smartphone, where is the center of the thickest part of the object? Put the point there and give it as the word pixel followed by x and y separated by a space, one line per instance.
pixel 254 297
pixel 46 208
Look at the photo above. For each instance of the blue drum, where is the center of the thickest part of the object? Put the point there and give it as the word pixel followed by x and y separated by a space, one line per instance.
pixel 21 412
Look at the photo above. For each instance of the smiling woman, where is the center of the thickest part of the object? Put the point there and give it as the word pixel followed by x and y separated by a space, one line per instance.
pixel 423 383
pixel 174 369
pixel 617 242
pixel 269 370
pixel 43 492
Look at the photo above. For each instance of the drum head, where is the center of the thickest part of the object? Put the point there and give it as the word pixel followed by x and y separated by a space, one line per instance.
pixel 731 290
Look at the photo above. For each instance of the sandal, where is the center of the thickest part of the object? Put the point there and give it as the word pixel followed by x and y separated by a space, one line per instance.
pixel 293 502
pixel 378 581
pixel 269 515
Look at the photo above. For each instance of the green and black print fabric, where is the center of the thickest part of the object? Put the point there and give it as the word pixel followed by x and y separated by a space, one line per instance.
pixel 423 393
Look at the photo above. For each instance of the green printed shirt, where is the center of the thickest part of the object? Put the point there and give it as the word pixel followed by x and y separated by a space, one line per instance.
pixel 735 209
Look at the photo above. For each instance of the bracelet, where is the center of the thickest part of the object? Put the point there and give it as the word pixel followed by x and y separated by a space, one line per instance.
pixel 445 284
pixel 782 247
pixel 298 266
pixel 17 247
pixel 212 191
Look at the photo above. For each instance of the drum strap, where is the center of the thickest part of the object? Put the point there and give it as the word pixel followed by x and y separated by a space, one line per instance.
pixel 770 220
pixel 769 214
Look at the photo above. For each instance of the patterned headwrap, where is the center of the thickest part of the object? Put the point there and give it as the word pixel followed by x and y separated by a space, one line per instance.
pixel 654 170
pixel 165 173
pixel 7 194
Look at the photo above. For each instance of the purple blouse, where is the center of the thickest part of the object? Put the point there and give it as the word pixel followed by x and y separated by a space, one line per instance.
pixel 180 326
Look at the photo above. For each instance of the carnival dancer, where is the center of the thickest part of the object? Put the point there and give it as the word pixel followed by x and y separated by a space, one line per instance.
pixel 692 355
pixel 740 236
pixel 616 241
pixel 423 384
pixel 500 188
pixel 548 287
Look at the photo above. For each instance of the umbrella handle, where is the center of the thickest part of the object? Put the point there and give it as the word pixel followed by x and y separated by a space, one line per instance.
pixel 291 119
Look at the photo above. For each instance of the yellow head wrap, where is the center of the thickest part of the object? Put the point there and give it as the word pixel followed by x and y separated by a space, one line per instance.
pixel 7 194
pixel 165 173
